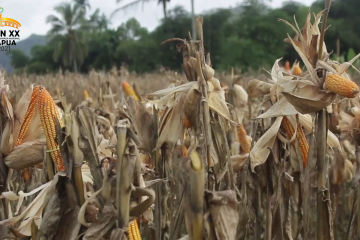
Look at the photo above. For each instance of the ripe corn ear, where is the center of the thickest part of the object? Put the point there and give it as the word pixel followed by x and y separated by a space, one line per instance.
pixel 341 86
pixel 187 123
pixel 30 113
pixel 129 90
pixel 133 231
pixel 185 152
pixel 48 113
pixel 26 174
pixel 296 70
pixel 300 136
pixel 245 145
pixel 195 161
pixel 287 65
pixel 86 94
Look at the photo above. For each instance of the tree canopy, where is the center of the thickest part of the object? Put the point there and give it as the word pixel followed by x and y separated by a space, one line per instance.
pixel 248 36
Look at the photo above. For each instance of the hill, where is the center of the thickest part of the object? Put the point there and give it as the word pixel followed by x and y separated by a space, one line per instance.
pixel 23 45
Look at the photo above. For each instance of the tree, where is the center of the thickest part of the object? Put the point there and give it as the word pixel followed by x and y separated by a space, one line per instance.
pixel 102 50
pixel 42 60
pixel 98 22
pixel 136 2
pixel 83 3
pixel 67 33
pixel 18 58
pixel 131 30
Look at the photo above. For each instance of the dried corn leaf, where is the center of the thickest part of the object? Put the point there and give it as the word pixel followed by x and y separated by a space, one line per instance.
pixel 333 141
pixel 307 105
pixel 69 226
pixel 148 215
pixel 277 75
pixel 224 213
pixel 81 215
pixel 257 88
pixel 171 128
pixel 168 93
pixel 51 218
pixel 313 76
pixel 305 120
pixel 280 108
pixel 143 123
pixel 261 149
pixel 75 135
pixel 240 96
pixel 346 121
pixel 34 210
pixel 238 161
pixel 7 137
pixel 217 104
pixel 104 223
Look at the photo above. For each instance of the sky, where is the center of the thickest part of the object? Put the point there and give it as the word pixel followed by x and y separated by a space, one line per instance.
pixel 32 13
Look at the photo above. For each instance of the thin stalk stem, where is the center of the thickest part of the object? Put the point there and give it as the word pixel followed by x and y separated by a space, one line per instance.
pixel 321 136
pixel 323 27
pixel 206 112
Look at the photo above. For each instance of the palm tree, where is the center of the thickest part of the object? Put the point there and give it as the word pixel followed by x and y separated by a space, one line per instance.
pixel 83 3
pixel 67 33
pixel 98 22
pixel 163 2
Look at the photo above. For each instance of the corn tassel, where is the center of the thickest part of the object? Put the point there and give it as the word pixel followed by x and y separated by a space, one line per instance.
pixel 48 112
pixel 129 90
pixel 341 86
pixel 300 136
pixel 133 231
pixel 245 145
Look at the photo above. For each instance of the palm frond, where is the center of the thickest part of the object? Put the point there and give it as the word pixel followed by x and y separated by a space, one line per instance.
pixel 123 8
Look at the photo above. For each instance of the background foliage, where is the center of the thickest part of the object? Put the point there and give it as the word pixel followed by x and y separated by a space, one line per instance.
pixel 242 37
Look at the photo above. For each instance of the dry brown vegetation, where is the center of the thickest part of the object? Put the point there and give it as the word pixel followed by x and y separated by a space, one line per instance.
pixel 73 85
pixel 184 156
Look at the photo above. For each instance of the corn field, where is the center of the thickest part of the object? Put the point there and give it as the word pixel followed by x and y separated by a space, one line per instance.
pixel 192 155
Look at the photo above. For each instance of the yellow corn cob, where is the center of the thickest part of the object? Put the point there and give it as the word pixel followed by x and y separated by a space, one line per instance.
pixel 48 112
pixel 195 161
pixel 186 122
pixel 296 69
pixel 129 91
pixel 26 174
pixel 185 152
pixel 341 86
pixel 300 136
pixel 42 101
pixel 28 115
pixel 133 231
pixel 86 95
pixel 287 65
pixel 245 145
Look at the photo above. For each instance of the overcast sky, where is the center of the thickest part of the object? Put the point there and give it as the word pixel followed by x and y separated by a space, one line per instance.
pixel 32 13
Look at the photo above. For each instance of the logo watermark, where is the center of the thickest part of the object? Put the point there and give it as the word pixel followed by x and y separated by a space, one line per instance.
pixel 8 37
